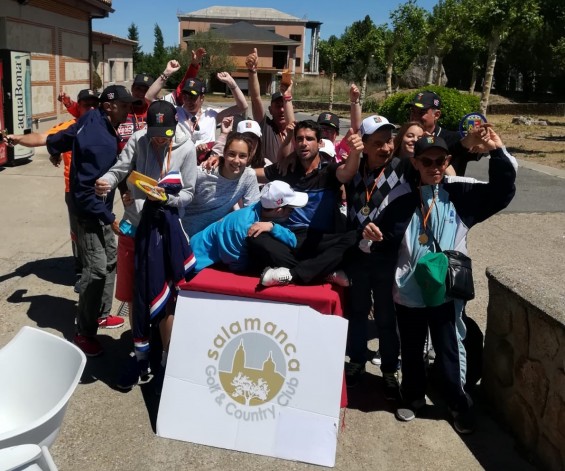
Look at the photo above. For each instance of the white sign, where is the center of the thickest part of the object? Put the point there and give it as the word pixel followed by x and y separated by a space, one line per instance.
pixel 255 376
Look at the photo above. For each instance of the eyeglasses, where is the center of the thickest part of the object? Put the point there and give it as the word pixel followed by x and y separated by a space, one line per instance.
pixel 195 123
pixel 427 162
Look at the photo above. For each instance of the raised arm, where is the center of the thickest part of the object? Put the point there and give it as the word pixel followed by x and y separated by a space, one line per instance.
pixel 355 104
pixel 252 62
pixel 347 171
pixel 191 72
pixel 288 107
pixel 154 90
pixel 240 101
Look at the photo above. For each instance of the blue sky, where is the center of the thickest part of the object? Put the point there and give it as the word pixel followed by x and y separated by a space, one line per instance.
pixel 335 15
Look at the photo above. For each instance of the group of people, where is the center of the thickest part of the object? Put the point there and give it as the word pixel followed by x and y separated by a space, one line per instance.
pixel 283 200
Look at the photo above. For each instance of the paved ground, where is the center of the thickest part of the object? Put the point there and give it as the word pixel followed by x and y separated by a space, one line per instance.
pixel 108 430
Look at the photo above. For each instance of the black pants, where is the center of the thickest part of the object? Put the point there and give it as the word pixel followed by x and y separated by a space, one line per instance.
pixel 413 326
pixel 316 254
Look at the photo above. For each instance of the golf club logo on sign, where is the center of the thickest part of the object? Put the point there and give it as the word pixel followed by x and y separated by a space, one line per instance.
pixel 255 369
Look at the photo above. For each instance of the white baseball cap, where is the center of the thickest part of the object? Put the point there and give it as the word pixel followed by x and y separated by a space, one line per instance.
pixel 375 123
pixel 277 194
pixel 328 148
pixel 248 125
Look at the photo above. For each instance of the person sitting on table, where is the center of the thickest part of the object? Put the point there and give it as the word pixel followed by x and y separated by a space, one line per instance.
pixel 218 190
pixel 319 248
pixel 226 240
pixel 429 215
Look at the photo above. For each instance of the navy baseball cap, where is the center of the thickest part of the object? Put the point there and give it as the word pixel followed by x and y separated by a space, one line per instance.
pixel 429 142
pixel 87 94
pixel 194 87
pixel 118 93
pixel 161 119
pixel 144 80
pixel 426 100
pixel 329 119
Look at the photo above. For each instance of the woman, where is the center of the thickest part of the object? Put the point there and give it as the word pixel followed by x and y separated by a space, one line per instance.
pixel 405 139
pixel 252 130
pixel 421 215
pixel 218 190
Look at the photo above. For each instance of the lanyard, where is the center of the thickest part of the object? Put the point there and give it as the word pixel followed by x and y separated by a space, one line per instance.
pixel 368 193
pixel 168 159
pixel 423 238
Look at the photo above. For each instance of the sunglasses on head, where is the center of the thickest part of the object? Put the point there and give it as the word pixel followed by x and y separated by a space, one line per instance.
pixel 427 162
pixel 195 123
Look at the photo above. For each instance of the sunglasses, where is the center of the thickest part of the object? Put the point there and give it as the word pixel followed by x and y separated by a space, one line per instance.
pixel 195 123
pixel 427 162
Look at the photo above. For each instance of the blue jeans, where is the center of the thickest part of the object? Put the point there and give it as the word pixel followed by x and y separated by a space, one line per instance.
pixel 98 252
pixel 372 276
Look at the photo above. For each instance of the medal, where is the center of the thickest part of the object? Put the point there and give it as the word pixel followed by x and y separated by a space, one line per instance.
pixel 365 210
pixel 423 239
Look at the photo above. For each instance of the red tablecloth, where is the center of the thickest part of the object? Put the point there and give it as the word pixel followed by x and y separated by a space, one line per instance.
pixel 327 299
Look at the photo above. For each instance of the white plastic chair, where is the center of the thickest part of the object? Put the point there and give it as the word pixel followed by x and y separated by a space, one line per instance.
pixel 39 373
pixel 26 458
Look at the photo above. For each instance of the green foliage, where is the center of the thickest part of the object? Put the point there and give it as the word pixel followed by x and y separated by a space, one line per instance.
pixel 137 56
pixel 370 105
pixel 217 58
pixel 455 105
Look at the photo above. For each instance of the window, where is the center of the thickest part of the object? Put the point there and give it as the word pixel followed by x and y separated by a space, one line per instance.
pixel 188 32
pixel 296 37
pixel 126 70
pixel 297 62
pixel 112 71
pixel 280 57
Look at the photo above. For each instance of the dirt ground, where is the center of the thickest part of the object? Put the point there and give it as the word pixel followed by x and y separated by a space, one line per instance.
pixel 541 144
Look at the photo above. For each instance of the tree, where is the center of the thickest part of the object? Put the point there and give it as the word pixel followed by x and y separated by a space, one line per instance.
pixel 364 46
pixel 332 53
pixel 444 30
pixel 133 35
pixel 217 57
pixel 496 19
pixel 248 390
pixel 402 42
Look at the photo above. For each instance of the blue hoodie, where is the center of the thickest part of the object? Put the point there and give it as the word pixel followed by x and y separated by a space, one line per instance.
pixel 94 143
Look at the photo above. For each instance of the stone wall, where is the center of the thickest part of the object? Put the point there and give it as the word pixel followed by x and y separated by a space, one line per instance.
pixel 540 109
pixel 524 364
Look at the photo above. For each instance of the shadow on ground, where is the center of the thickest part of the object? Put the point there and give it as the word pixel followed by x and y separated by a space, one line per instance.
pixel 59 270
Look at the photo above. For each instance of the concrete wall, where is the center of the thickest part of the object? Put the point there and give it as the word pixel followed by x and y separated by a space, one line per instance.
pixel 545 109
pixel 524 364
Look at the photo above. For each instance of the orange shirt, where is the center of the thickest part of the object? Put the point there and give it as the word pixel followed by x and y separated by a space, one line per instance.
pixel 66 155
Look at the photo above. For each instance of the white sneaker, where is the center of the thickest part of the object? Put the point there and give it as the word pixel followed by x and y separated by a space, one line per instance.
pixel 338 277
pixel 376 360
pixel 276 276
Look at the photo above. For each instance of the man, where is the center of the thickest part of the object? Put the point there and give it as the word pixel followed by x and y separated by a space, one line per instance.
pixel 431 215
pixel 86 100
pixel 94 141
pixel 281 109
pixel 371 269
pixel 137 118
pixel 426 109
pixel 226 240
pixel 319 249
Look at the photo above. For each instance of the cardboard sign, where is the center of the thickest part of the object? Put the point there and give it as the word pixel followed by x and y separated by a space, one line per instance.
pixel 255 376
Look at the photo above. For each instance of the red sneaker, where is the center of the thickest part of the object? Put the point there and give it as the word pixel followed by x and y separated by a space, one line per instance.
pixel 89 345
pixel 110 322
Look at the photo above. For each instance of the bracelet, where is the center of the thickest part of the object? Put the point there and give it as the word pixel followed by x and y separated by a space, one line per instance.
pixel 164 77
pixel 356 102
pixel 287 97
